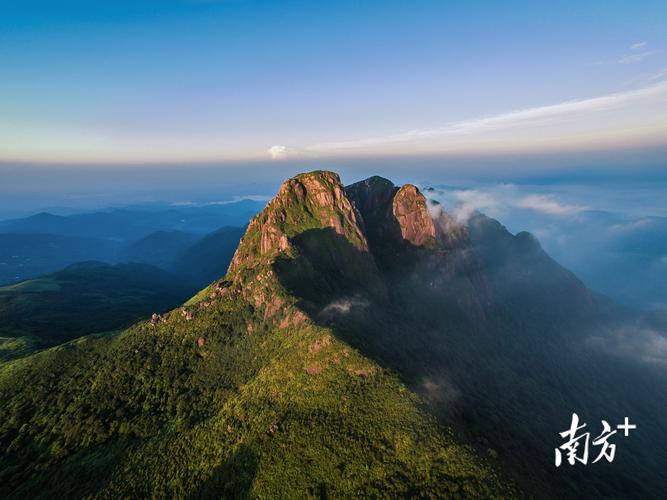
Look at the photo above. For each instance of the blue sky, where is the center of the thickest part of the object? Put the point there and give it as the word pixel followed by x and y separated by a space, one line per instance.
pixel 212 80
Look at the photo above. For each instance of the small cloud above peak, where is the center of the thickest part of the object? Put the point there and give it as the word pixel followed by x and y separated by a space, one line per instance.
pixel 278 152
pixel 638 46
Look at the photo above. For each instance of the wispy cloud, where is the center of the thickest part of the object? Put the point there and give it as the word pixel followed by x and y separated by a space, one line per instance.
pixel 548 204
pixel 633 58
pixel 637 53
pixel 658 75
pixel 499 199
pixel 610 119
pixel 632 225
pixel 344 306
pixel 645 345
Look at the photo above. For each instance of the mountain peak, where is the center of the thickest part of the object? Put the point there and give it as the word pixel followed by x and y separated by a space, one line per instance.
pixel 317 231
pixel 313 200
pixel 393 215
pixel 317 176
pixel 310 216
pixel 411 212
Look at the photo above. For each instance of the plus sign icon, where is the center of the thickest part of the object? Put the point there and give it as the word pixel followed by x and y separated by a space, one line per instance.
pixel 626 427
pixel 578 442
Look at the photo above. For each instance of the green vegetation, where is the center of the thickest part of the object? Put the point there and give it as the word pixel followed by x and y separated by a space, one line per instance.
pixel 211 408
pixel 81 299
pixel 15 347
pixel 335 360
pixel 235 395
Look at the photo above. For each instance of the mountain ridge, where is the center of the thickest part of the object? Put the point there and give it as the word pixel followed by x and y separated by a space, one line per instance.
pixel 238 392
pixel 361 343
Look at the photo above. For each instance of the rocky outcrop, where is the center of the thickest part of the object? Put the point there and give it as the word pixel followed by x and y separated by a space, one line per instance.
pixel 311 217
pixel 404 229
pixel 316 241
pixel 415 239
pixel 314 200
pixel 393 215
pixel 411 213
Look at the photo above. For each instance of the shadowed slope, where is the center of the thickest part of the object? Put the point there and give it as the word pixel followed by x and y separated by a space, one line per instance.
pixel 490 329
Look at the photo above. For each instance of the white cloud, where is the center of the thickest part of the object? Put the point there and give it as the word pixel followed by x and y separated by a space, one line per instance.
pixel 500 200
pixel 278 152
pixel 440 390
pixel 632 225
pixel 641 344
pixel 344 306
pixel 548 204
pixel 472 200
pixel 622 118
pixel 633 56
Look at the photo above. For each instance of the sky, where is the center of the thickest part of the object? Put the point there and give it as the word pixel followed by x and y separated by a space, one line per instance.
pixel 180 82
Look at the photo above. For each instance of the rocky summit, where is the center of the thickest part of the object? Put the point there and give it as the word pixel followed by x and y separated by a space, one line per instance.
pixel 314 219
pixel 363 343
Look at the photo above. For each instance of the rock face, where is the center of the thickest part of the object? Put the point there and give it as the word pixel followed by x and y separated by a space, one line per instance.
pixel 404 215
pixel 319 241
pixel 414 220
pixel 367 211
pixel 315 200
pixel 369 215
pixel 307 232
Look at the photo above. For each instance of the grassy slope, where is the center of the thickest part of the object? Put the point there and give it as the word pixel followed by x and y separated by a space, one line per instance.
pixel 150 412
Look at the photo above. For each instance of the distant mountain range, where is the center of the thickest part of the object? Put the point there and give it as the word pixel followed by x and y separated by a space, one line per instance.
pixel 45 243
pixel 207 259
pixel 362 343
pixel 28 255
pixel 125 224
pixel 160 248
